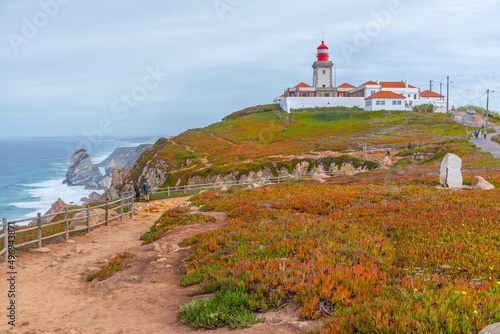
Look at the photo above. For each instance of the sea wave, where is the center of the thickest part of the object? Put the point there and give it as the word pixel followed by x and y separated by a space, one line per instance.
pixel 45 193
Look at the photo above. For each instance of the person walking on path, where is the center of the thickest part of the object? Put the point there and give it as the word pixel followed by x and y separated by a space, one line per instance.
pixel 388 151
pixel 137 190
pixel 485 133
pixel 145 188
pixel 409 145
pixel 476 133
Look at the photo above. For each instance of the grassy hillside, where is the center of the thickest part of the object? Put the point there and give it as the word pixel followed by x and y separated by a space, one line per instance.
pixel 250 138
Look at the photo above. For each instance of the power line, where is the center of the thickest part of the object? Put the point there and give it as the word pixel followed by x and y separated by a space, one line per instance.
pixel 463 97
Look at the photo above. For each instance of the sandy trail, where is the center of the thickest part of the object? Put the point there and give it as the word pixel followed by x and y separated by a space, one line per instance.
pixel 56 297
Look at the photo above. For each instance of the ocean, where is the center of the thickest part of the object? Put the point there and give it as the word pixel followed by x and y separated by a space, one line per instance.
pixel 32 171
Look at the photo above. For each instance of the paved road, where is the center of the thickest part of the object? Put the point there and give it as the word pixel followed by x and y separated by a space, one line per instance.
pixel 487 144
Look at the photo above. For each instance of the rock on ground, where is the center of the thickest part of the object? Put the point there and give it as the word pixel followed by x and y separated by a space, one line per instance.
pixel 480 183
pixel 492 329
pixel 450 172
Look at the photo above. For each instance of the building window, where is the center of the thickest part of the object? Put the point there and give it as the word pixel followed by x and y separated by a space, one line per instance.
pixel 324 72
pixel 415 96
pixel 399 102
pixel 394 102
pixel 324 85
pixel 341 94
pixel 409 95
pixel 373 92
pixel 327 95
pixel 378 103
pixel 368 103
pixel 293 94
pixel 304 94
pixel 311 94
pixel 382 103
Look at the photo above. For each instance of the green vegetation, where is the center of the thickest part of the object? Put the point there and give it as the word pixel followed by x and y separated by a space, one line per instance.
pixel 402 163
pixel 112 267
pixel 230 307
pixel 424 108
pixel 170 219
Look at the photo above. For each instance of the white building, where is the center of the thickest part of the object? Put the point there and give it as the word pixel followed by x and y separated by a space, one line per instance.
pixel 372 95
pixel 385 100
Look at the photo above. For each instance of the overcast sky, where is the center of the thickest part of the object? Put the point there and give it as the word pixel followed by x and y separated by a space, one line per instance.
pixel 160 67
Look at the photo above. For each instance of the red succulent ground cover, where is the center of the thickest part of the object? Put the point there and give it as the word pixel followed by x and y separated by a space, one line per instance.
pixel 385 252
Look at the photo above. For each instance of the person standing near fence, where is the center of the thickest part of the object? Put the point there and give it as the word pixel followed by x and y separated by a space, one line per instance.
pixel 145 188
pixel 137 190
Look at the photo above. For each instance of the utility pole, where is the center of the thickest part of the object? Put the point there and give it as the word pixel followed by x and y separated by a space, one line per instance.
pixel 441 90
pixel 487 105
pixel 430 86
pixel 448 93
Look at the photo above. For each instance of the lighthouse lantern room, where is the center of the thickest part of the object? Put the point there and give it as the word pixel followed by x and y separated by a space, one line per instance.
pixel 323 52
pixel 323 73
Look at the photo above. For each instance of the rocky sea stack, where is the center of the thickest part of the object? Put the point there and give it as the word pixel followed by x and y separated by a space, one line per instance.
pixel 82 171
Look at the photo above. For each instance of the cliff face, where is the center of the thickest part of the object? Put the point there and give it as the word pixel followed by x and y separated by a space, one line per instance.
pixel 123 158
pixel 82 171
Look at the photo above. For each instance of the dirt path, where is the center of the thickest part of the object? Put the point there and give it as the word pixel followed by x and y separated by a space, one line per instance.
pixel 54 297
pixel 223 140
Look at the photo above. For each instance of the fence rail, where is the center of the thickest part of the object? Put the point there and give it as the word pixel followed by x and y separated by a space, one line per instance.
pixel 127 200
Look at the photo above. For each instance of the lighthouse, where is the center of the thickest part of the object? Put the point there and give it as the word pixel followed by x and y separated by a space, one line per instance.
pixel 323 73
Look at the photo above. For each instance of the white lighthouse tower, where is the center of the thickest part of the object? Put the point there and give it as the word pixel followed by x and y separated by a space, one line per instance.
pixel 323 73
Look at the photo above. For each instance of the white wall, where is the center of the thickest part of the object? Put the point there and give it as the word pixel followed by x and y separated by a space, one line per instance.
pixel 321 102
pixel 387 106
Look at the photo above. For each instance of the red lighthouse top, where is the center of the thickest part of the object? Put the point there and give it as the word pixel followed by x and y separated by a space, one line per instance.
pixel 323 52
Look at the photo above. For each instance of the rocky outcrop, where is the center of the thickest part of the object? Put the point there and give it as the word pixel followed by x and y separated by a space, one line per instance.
pixel 93 198
pixel 315 169
pixel 480 183
pixel 57 206
pixel 123 158
pixel 82 171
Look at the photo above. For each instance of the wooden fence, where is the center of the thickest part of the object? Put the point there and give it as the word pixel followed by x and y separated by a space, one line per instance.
pixel 195 187
pixel 110 211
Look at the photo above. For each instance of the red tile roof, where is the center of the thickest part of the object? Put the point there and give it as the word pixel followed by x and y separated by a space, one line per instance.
pixel 396 84
pixel 428 93
pixel 385 95
pixel 346 85
pixel 302 85
pixel 369 83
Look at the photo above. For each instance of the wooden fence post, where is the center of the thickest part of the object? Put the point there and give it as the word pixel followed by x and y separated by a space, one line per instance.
pixel 131 207
pixel 88 218
pixel 39 230
pixel 66 224
pixel 6 238
pixel 121 208
pixel 106 213
pixel 168 191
